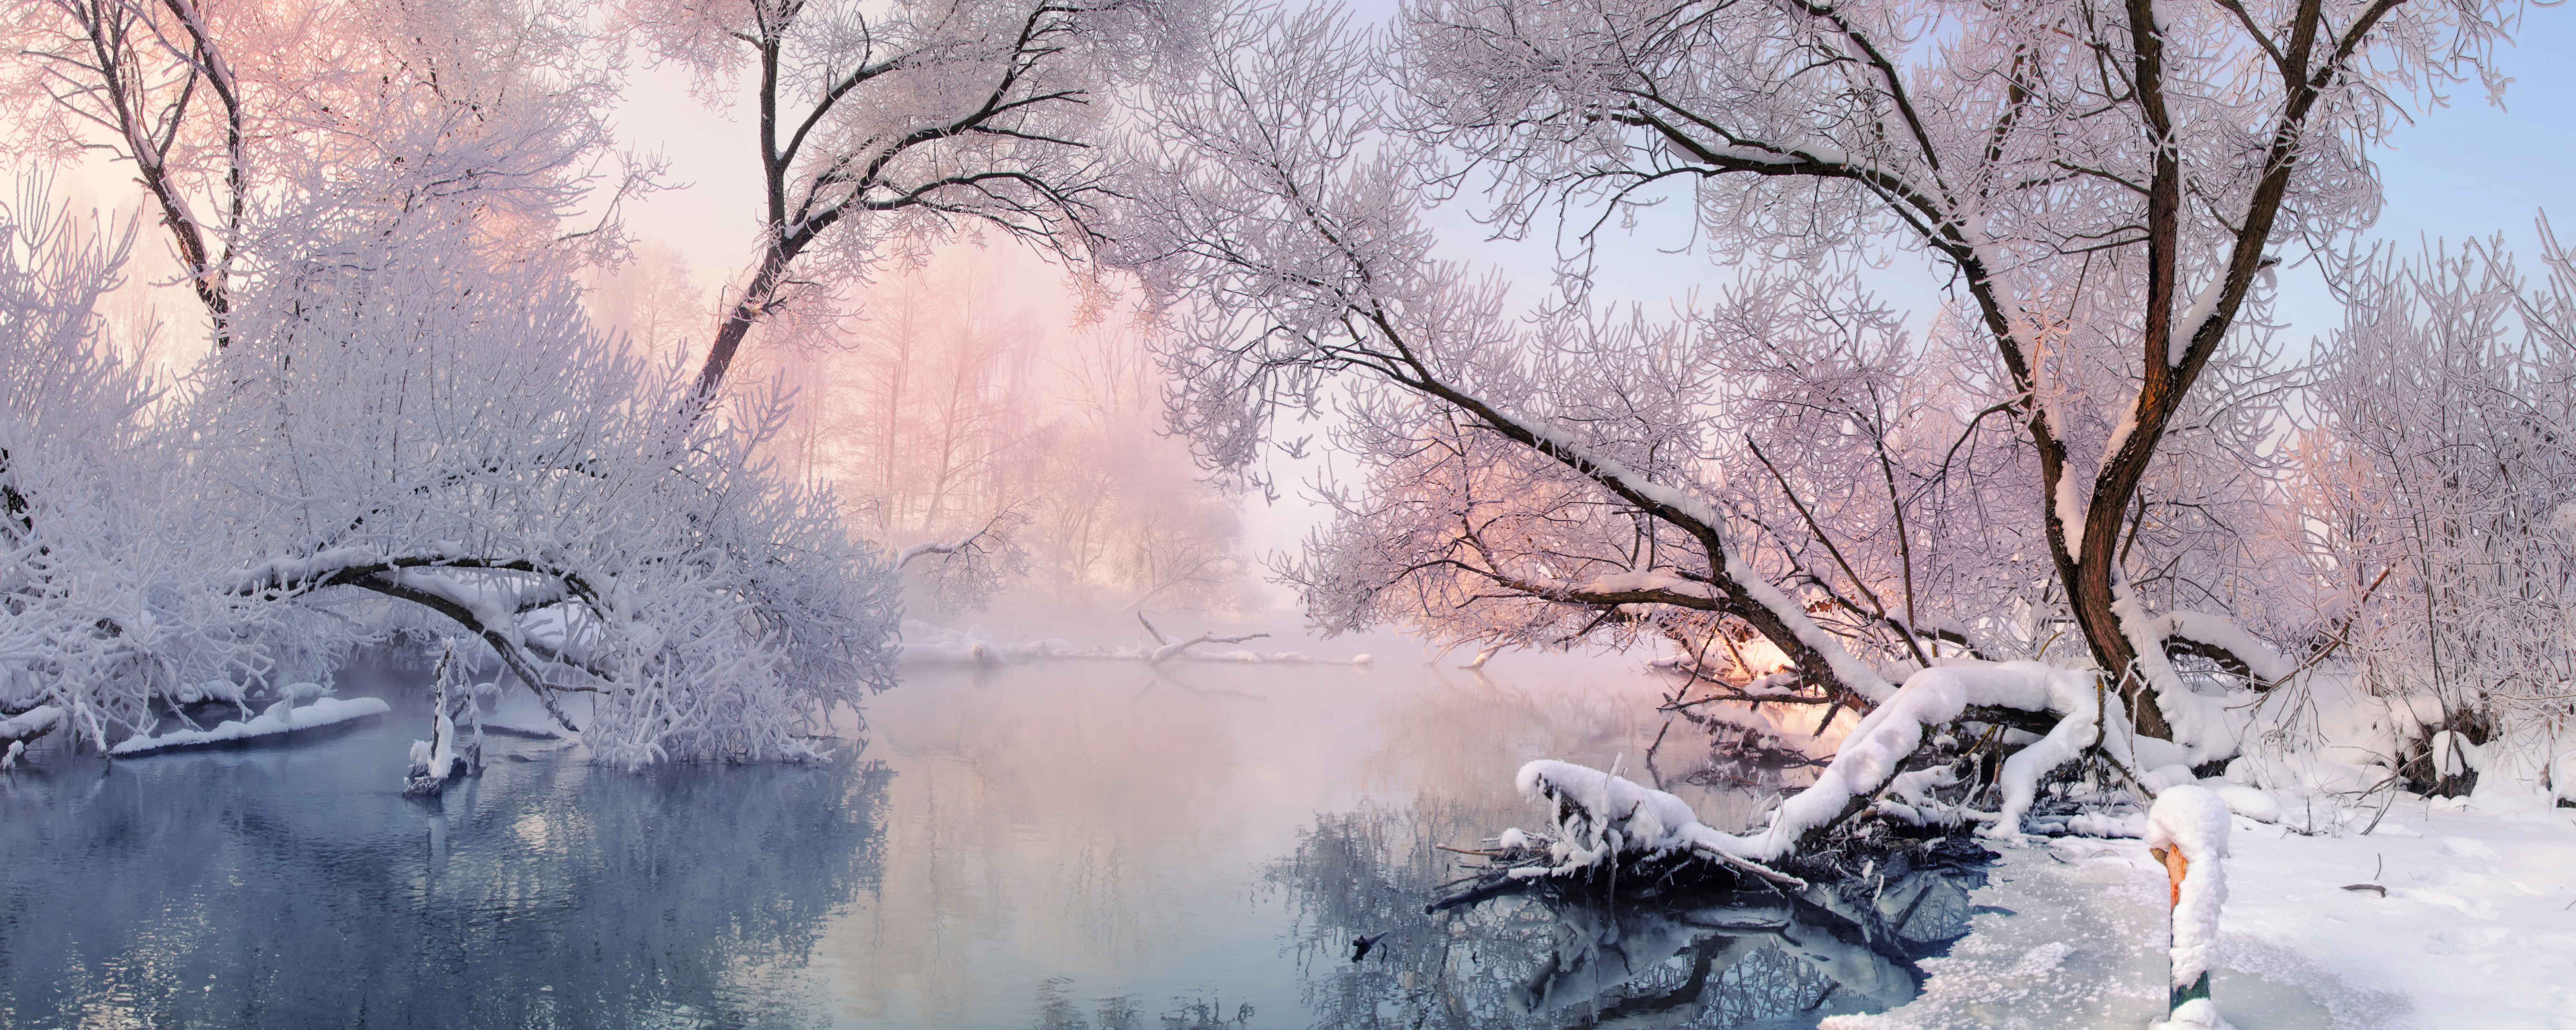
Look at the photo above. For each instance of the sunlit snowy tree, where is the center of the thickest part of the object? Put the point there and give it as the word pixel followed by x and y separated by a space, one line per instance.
pixel 2104 193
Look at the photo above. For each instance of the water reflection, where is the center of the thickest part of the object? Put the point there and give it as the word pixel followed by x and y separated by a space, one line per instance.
pixel 1084 846
pixel 1735 959
pixel 299 888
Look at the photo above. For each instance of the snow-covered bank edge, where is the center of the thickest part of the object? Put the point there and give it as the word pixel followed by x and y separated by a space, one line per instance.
pixel 2473 930
pixel 278 719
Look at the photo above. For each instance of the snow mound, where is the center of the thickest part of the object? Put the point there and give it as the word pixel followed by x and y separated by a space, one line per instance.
pixel 1600 816
pixel 2258 805
pixel 278 719
pixel 2196 1014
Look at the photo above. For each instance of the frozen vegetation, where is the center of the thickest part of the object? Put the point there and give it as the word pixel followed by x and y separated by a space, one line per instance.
pixel 2093 549
pixel 467 460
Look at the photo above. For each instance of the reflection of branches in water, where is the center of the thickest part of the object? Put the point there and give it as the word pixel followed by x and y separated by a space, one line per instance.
pixel 1745 756
pixel 1165 676
pixel 1056 1011
pixel 1540 960
pixel 267 891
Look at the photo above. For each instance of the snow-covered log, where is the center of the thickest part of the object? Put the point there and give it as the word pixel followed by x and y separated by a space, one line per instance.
pixel 281 718
pixel 448 754
pixel 1599 817
pixel 17 730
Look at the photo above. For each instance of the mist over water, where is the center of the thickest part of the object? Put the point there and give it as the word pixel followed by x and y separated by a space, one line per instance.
pixel 1072 844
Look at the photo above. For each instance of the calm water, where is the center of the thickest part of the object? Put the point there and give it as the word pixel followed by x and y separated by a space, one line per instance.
pixel 1065 846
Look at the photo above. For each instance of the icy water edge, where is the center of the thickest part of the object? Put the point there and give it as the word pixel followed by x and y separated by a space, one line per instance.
pixel 1094 846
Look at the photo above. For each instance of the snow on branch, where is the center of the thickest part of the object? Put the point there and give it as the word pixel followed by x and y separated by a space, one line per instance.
pixel 1599 817
pixel 26 726
pixel 280 719
pixel 1171 648
pixel 2211 630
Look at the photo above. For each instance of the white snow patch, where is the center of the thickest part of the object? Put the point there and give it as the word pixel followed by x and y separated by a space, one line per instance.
pixel 2044 959
pixel 2258 805
pixel 2196 1014
pixel 1602 816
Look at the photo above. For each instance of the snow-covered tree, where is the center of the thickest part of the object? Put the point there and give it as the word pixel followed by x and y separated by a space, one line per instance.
pixel 2438 491
pixel 2104 193
pixel 248 127
pixel 415 430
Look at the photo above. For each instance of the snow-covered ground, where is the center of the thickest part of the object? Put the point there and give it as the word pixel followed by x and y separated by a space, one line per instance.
pixel 2478 929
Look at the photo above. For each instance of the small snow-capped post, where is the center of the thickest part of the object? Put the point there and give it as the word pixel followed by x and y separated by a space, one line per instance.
pixel 2187 831
pixel 442 758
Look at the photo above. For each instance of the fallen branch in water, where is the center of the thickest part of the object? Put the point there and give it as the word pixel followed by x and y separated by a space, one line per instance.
pixel 1604 822
pixel 924 644
pixel 1170 649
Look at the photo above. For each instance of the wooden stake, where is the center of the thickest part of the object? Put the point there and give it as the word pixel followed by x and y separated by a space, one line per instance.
pixel 2175 866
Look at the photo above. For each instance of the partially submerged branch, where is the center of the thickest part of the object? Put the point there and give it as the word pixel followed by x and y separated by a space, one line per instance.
pixel 1170 650
pixel 927 644
pixel 1601 819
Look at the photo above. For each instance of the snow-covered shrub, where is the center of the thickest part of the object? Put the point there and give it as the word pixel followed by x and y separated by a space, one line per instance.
pixel 408 417
pixel 91 584
pixel 412 430
pixel 2438 498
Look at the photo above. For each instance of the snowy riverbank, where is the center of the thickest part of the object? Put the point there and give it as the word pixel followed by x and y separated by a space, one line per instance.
pixel 2476 930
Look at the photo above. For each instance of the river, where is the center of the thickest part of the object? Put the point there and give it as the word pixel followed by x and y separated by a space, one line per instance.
pixel 1094 845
